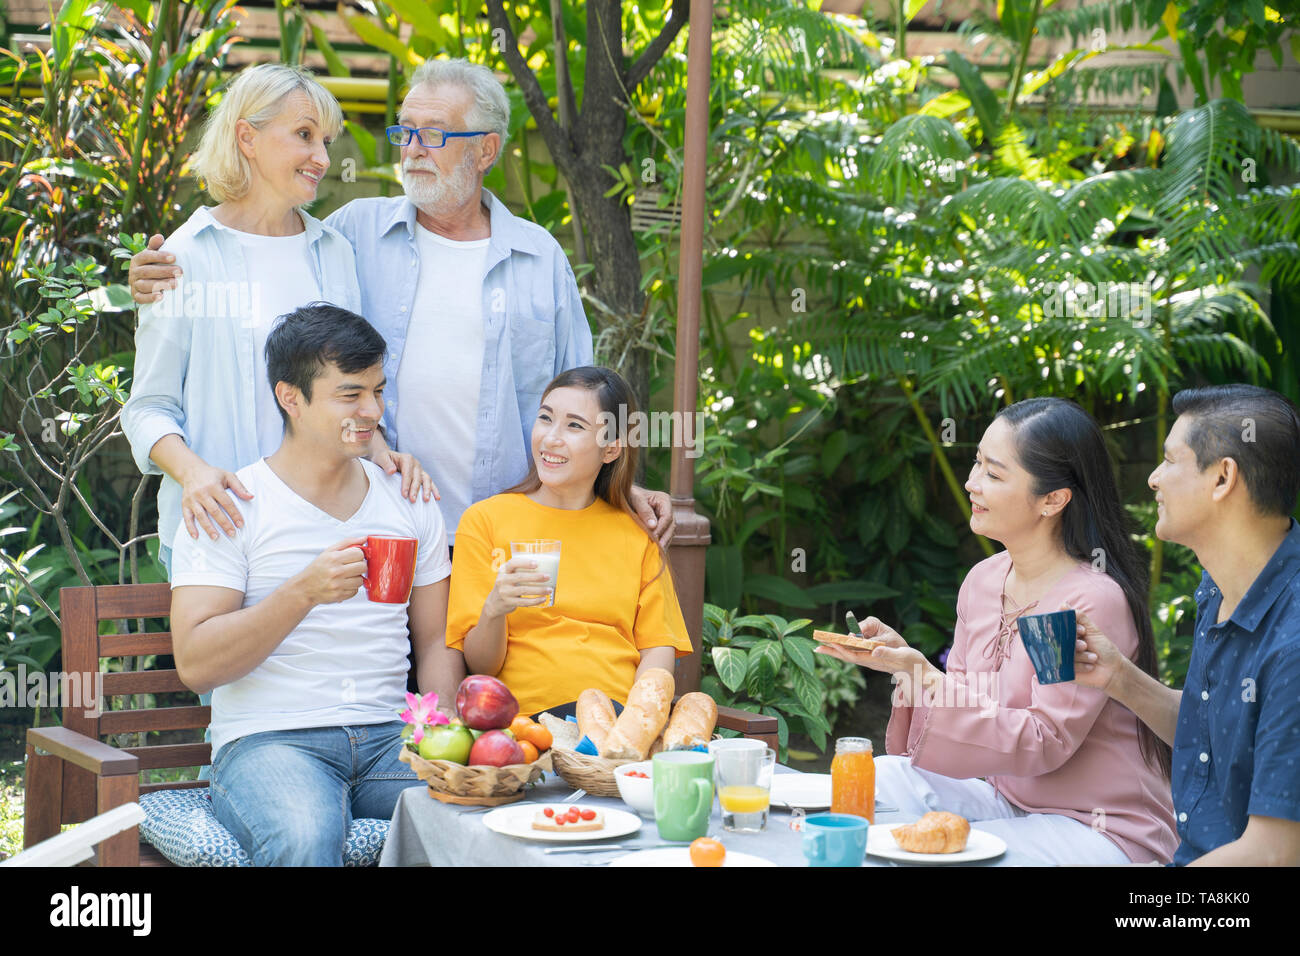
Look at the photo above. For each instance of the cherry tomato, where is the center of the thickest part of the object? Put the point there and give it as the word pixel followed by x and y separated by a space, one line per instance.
pixel 549 811
pixel 707 852
pixel 588 814
pixel 559 821
pixel 574 814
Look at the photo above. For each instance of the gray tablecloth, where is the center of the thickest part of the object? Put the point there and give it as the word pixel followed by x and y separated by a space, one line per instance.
pixel 426 832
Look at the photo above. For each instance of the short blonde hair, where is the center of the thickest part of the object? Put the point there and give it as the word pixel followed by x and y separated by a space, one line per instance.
pixel 257 94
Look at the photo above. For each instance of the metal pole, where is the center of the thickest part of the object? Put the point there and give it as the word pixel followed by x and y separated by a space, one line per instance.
pixel 691 538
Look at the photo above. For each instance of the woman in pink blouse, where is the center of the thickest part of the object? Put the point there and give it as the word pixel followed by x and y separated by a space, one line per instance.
pixel 1069 775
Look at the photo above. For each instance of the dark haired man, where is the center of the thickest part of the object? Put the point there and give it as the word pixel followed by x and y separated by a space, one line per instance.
pixel 1226 489
pixel 306 673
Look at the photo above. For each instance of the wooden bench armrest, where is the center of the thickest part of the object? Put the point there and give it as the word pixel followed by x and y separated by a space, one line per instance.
pixel 78 749
pixel 750 725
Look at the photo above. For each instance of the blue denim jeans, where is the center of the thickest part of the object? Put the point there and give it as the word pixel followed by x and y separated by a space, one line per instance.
pixel 289 796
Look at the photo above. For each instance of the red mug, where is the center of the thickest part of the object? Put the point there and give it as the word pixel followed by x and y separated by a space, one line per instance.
pixel 390 568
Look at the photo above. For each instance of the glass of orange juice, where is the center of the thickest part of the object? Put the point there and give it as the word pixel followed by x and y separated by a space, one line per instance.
pixel 853 778
pixel 742 777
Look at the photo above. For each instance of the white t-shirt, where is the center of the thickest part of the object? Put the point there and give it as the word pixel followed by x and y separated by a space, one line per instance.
pixel 282 278
pixel 345 663
pixel 442 364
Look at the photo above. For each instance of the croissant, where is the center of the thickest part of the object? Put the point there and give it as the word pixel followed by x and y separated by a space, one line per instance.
pixel 936 832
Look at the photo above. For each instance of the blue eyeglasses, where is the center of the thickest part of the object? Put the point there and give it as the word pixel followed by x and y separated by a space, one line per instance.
pixel 401 136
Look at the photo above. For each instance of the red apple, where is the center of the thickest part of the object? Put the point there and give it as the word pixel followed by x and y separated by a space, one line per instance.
pixel 484 703
pixel 495 749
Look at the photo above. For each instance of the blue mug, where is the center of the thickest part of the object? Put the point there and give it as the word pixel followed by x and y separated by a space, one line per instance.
pixel 1049 642
pixel 835 839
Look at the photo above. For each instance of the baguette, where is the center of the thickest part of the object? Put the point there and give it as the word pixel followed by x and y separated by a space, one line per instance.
pixel 692 722
pixel 595 716
pixel 648 705
pixel 847 640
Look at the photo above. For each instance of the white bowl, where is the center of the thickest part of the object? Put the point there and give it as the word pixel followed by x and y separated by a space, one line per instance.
pixel 636 792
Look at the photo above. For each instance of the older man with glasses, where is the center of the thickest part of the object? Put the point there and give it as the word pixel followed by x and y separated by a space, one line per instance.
pixel 479 308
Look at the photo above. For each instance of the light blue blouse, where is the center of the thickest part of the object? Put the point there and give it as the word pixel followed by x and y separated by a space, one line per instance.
pixel 194 365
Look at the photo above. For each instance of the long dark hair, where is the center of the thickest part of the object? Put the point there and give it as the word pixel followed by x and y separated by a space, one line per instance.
pixel 1061 446
pixel 618 406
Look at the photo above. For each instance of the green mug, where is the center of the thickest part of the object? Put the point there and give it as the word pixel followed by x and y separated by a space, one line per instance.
pixel 683 793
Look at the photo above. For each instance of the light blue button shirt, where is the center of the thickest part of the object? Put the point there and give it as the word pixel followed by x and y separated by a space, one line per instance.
pixel 533 323
pixel 194 365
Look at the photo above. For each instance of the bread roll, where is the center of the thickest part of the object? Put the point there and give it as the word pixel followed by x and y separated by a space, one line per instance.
pixel 595 716
pixel 936 832
pixel 692 722
pixel 643 719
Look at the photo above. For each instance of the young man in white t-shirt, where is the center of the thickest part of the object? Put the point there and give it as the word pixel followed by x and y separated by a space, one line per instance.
pixel 307 674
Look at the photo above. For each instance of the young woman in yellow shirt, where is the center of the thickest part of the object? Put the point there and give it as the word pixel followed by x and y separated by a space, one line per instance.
pixel 615 612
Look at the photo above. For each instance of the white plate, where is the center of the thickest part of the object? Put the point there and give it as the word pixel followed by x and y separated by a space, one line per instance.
pixel 812 791
pixel 518 822
pixel 681 856
pixel 979 846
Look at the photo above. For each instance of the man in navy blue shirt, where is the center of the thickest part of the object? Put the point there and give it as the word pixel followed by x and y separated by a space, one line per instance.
pixel 1226 489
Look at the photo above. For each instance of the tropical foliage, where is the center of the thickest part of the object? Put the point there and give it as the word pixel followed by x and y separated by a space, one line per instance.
pixel 897 246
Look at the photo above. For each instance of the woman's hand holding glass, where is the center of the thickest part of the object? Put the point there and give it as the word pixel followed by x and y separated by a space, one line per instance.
pixel 517 585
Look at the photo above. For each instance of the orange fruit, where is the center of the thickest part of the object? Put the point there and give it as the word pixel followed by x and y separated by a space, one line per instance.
pixel 519 727
pixel 707 852
pixel 538 736
pixel 530 752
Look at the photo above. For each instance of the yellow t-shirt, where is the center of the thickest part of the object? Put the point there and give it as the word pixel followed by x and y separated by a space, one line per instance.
pixel 607 607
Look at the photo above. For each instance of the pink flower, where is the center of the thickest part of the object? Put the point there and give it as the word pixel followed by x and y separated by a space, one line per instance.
pixel 422 712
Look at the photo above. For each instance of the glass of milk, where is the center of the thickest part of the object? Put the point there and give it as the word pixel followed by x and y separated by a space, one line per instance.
pixel 546 552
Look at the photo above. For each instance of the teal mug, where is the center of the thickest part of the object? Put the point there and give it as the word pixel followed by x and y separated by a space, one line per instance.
pixel 835 839
pixel 683 794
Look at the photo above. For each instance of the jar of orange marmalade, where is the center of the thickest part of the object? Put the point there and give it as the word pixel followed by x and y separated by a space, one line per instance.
pixel 853 778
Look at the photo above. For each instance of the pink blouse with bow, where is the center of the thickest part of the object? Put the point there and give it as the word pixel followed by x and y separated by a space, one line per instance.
pixel 1056 748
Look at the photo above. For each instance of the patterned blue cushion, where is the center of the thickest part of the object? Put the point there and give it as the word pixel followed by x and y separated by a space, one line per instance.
pixel 181 825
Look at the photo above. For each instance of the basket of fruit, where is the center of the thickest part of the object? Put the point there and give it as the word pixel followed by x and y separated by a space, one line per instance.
pixel 485 757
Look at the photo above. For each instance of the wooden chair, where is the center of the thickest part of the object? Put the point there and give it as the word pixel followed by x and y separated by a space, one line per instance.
pixel 72 775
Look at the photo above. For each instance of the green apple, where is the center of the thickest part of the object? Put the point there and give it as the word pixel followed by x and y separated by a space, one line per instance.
pixel 447 742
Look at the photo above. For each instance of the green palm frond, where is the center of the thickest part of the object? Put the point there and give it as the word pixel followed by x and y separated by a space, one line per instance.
pixel 1079 23
pixel 1012 156
pixel 785 46
pixel 1204 152
pixel 1031 212
pixel 915 156
pixel 1113 79
pixel 1098 205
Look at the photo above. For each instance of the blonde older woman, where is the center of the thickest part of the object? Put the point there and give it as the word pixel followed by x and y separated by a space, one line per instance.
pixel 201 406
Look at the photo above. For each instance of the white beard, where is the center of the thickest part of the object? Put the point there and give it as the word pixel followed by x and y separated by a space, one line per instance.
pixel 433 193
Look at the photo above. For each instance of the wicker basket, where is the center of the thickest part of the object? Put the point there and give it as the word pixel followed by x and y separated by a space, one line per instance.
pixel 485 785
pixel 593 774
